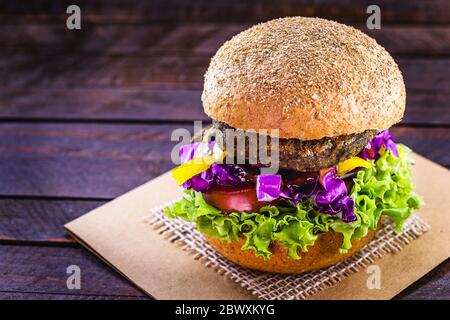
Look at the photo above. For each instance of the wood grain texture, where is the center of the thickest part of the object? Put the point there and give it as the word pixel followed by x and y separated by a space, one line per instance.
pixel 23 295
pixel 100 161
pixel 36 270
pixel 121 104
pixel 423 108
pixel 192 39
pixel 40 221
pixel 172 11
pixel 104 161
pixel 94 71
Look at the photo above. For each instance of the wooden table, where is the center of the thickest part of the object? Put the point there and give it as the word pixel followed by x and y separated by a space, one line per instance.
pixel 87 115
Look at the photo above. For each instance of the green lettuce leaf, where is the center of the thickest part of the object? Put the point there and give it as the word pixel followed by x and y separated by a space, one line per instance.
pixel 385 188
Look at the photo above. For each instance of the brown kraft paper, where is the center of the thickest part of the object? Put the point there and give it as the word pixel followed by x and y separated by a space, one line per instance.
pixel 115 232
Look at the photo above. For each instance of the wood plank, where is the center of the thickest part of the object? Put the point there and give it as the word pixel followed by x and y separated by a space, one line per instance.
pixel 100 161
pixel 36 270
pixel 200 39
pixel 430 75
pixel 423 108
pixel 170 11
pixel 412 40
pixel 429 142
pixel 163 71
pixel 104 161
pixel 141 105
pixel 121 104
pixel 40 220
pixel 55 296
pixel 93 71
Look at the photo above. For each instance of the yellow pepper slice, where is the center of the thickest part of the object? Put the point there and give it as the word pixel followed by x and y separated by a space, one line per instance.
pixel 352 163
pixel 192 167
pixel 196 165
pixel 401 153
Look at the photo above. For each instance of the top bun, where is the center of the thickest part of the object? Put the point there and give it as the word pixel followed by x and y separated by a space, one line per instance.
pixel 308 77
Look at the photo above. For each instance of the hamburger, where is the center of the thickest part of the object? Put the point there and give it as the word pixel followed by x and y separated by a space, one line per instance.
pixel 324 95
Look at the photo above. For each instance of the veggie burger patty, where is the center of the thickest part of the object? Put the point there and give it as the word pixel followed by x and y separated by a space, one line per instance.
pixel 305 155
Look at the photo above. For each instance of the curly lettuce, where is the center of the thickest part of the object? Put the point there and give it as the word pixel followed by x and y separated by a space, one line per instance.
pixel 384 188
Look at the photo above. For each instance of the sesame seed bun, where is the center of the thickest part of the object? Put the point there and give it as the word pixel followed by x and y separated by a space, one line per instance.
pixel 308 77
pixel 322 254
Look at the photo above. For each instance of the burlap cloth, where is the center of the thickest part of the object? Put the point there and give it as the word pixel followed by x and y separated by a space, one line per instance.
pixel 285 287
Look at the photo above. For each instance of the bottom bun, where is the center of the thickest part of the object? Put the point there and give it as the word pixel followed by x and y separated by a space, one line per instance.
pixel 323 253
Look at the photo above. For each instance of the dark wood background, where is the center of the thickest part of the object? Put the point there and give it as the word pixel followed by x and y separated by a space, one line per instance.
pixel 87 115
